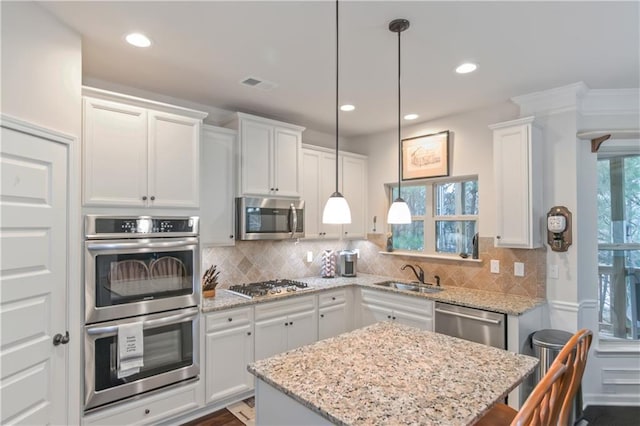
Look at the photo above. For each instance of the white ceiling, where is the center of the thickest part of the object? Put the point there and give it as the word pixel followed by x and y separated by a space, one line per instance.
pixel 201 50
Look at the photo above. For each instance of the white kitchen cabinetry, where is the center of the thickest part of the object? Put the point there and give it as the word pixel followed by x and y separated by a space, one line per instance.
pixel 285 325
pixel 217 186
pixel 318 183
pixel 517 160
pixel 334 313
pixel 152 409
pixel 378 306
pixel 229 349
pixel 139 153
pixel 270 156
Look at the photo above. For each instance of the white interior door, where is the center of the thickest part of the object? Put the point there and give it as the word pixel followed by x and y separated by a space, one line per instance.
pixel 33 279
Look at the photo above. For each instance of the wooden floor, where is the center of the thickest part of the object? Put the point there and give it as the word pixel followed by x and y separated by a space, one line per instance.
pixel 219 418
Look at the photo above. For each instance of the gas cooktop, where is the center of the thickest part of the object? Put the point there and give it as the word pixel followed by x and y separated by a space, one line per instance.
pixel 268 288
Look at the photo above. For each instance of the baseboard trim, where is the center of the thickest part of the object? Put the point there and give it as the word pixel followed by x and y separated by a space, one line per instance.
pixel 627 400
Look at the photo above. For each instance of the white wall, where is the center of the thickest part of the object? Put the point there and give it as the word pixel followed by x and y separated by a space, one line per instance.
pixel 41 68
pixel 41 84
pixel 471 145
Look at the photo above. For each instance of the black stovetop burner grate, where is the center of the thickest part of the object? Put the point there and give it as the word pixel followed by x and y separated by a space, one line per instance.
pixel 268 288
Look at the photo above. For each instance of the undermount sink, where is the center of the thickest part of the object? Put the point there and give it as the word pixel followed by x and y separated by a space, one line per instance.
pixel 417 288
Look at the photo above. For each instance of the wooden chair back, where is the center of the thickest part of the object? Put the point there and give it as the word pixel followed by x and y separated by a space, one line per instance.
pixel 574 356
pixel 542 406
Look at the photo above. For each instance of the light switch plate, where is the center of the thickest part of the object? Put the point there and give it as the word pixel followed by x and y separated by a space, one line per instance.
pixel 553 272
pixel 518 269
pixel 495 266
pixel 309 256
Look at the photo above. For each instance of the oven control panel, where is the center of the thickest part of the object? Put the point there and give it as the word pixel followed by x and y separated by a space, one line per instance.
pixel 102 226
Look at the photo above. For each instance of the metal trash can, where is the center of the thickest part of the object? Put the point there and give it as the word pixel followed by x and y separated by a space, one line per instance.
pixel 547 344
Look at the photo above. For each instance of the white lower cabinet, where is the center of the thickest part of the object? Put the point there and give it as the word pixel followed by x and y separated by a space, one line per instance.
pixel 334 313
pixel 285 325
pixel 152 409
pixel 378 306
pixel 229 349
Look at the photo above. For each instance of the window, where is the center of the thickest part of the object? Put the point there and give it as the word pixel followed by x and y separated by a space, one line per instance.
pixel 619 244
pixel 444 217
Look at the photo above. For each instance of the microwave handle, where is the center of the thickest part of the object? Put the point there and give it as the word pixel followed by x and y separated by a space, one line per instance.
pixel 95 331
pixel 294 216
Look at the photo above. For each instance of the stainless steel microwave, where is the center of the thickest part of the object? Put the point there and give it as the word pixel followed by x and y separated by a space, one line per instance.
pixel 269 219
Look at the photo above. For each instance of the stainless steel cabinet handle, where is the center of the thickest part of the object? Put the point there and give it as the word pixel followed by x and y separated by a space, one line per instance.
pixel 461 315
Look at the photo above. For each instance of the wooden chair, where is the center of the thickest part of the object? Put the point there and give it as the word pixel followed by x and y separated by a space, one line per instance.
pixel 551 401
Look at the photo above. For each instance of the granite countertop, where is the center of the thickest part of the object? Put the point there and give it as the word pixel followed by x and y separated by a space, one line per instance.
pixel 388 373
pixel 496 302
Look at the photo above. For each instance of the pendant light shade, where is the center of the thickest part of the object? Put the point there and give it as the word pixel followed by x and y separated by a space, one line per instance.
pixel 336 211
pixel 399 212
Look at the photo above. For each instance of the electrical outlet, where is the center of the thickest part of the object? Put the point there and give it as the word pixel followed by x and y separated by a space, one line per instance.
pixel 518 269
pixel 495 266
pixel 309 256
pixel 553 272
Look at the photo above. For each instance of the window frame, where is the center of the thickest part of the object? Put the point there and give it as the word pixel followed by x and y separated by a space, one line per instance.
pixel 430 218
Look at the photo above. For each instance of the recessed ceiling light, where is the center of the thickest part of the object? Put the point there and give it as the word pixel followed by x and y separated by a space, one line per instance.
pixel 347 107
pixel 466 68
pixel 138 40
pixel 411 116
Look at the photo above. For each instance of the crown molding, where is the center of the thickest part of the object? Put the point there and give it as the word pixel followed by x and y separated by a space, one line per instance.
pixel 611 102
pixel 552 101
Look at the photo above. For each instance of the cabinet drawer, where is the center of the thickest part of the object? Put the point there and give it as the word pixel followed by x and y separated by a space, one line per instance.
pixel 414 304
pixel 150 410
pixel 285 307
pixel 224 319
pixel 332 298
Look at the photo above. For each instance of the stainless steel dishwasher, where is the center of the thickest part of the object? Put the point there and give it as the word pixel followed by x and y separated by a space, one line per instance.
pixel 479 326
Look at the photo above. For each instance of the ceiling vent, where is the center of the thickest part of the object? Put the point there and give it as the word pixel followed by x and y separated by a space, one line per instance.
pixel 258 83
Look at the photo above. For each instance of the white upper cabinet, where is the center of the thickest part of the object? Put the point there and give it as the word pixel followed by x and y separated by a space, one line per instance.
pixel 517 159
pixel 270 156
pixel 318 183
pixel 217 186
pixel 139 153
pixel 354 189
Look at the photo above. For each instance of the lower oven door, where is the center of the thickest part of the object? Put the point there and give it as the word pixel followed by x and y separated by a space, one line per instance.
pixel 170 355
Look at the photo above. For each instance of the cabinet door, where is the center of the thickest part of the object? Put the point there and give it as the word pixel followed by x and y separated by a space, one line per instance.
pixel 286 162
pixel 302 329
pixel 256 145
pixel 174 155
pixel 311 193
pixel 270 337
pixel 228 352
pixel 217 187
pixel 115 153
pixel 518 196
pixel 333 321
pixel 412 319
pixel 354 189
pixel 371 314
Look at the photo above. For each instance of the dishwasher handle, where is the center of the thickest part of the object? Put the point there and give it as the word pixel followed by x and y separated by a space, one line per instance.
pixel 473 317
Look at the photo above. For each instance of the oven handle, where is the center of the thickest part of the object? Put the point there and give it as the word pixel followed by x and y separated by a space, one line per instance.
pixel 294 213
pixel 119 245
pixel 95 331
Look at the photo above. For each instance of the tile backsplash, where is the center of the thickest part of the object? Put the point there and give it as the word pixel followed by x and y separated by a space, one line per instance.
pixel 250 261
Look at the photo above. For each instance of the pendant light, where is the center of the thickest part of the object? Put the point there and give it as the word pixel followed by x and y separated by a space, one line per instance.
pixel 399 212
pixel 336 211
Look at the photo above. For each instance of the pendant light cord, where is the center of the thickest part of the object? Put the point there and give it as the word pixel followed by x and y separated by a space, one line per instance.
pixel 337 101
pixel 399 140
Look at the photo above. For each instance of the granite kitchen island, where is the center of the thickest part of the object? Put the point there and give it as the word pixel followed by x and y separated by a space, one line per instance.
pixel 386 374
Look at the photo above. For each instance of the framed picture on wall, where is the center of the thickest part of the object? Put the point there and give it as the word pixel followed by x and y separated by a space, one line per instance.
pixel 425 156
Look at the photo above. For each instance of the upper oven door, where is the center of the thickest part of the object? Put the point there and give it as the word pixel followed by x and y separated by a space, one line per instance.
pixel 125 278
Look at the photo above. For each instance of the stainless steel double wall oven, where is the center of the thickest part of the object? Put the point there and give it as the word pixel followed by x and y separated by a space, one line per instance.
pixel 142 272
